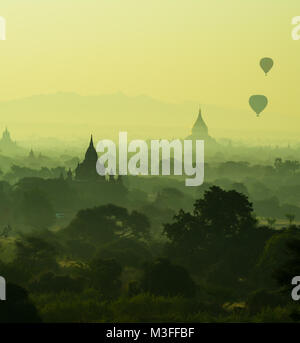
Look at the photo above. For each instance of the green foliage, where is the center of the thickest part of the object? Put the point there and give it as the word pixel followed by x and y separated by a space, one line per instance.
pixel 69 307
pixel 105 277
pixel 220 237
pixel 51 283
pixel 260 299
pixel 149 308
pixel 291 266
pixel 220 212
pixel 19 308
pixel 34 255
pixel 128 251
pixel 35 209
pixel 218 264
pixel 274 255
pixel 102 224
pixel 161 277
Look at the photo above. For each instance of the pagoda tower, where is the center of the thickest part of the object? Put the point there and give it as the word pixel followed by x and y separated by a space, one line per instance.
pixel 86 170
pixel 200 131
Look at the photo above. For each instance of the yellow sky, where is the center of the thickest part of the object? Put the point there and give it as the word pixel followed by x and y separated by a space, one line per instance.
pixel 174 50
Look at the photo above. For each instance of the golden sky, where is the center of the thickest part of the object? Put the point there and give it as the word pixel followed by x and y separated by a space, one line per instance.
pixel 206 51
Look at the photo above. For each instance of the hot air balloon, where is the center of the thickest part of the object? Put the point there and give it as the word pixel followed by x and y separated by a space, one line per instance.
pixel 258 103
pixel 266 64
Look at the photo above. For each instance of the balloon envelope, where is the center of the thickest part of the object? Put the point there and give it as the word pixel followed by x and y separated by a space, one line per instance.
pixel 258 103
pixel 266 64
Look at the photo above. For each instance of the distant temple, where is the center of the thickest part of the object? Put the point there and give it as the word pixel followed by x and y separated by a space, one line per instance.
pixel 6 139
pixel 86 171
pixel 7 145
pixel 31 155
pixel 200 131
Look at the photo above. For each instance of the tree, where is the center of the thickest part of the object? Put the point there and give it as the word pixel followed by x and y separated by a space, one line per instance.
pixel 291 266
pixel 57 191
pixel 18 308
pixel 104 223
pixel 220 212
pixel 6 202
pixel 260 299
pixel 291 218
pixel 128 251
pixel 105 276
pixel 220 236
pixel 34 255
pixel 161 277
pixel 226 212
pixel 275 254
pixel 50 283
pixel 35 209
pixel 138 225
pixel 286 166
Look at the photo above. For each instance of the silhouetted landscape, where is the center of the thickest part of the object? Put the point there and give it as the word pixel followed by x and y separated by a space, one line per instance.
pixel 149 166
pixel 79 247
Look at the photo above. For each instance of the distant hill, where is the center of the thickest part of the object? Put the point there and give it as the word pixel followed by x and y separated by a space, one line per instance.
pixel 69 115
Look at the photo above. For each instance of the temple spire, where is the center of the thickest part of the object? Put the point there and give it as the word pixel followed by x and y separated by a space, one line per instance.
pixel 91 141
pixel 86 170
pixel 200 127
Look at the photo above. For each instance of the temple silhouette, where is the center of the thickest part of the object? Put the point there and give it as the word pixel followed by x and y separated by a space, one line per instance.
pixel 86 170
pixel 6 140
pixel 87 181
pixel 200 131
pixel 7 145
